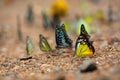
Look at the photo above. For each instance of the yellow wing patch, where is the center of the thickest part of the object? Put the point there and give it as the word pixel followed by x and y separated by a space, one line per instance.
pixel 83 50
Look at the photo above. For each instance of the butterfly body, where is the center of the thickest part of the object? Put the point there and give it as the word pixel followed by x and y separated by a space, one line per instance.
pixel 83 46
pixel 44 45
pixel 62 39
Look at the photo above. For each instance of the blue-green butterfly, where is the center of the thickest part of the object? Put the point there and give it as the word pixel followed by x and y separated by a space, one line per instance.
pixel 30 15
pixel 83 46
pixel 43 44
pixel 62 39
pixel 45 20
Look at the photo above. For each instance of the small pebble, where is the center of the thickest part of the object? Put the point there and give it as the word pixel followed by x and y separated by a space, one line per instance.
pixel 97 62
pixel 10 76
pixel 36 65
pixel 61 78
pixel 4 50
pixel 88 66
pixel 104 44
pixel 115 70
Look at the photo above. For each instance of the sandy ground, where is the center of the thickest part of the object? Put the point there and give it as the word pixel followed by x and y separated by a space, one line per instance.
pixel 45 67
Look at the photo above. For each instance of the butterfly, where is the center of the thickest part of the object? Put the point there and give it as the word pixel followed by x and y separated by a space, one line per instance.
pixel 19 31
pixel 43 44
pixel 30 14
pixel 59 8
pixel 99 15
pixel 29 46
pixel 55 21
pixel 62 39
pixel 110 14
pixel 45 20
pixel 83 46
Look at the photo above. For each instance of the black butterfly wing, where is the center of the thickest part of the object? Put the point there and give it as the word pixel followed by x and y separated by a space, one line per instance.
pixel 84 32
pixel 91 46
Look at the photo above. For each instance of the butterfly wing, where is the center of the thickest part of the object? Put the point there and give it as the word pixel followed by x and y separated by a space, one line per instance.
pixel 19 31
pixel 43 44
pixel 29 46
pixel 67 38
pixel 91 46
pixel 45 20
pixel 84 32
pixel 29 16
pixel 83 50
pixel 78 46
pixel 83 46
pixel 78 49
pixel 61 40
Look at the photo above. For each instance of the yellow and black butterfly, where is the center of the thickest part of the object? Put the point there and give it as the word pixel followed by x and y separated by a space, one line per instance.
pixel 29 46
pixel 62 39
pixel 43 44
pixel 83 46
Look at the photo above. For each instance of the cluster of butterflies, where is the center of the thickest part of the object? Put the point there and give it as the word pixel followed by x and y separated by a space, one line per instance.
pixel 83 45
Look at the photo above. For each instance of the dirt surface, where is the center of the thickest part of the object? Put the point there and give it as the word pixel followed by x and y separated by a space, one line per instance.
pixel 43 66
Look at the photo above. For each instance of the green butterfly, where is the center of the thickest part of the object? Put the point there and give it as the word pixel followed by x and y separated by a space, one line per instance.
pixel 43 44
pixel 19 31
pixel 29 46
pixel 83 46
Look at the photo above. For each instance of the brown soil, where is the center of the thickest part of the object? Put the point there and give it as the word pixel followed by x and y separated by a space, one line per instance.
pixel 43 66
